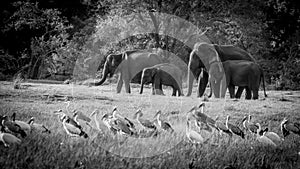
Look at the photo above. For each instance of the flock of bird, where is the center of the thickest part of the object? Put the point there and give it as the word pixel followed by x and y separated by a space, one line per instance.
pixel 12 130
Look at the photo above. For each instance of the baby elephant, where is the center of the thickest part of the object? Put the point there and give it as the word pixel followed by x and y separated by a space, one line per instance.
pixel 245 74
pixel 162 74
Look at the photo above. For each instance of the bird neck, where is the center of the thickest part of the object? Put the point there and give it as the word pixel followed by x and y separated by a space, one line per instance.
pixel 114 114
pixel 187 129
pixel 158 118
pixel 258 130
pixel 227 119
pixel 244 124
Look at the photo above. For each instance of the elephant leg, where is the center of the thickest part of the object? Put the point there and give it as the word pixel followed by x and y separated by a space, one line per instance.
pixel 216 88
pixel 119 84
pixel 174 91
pixel 239 92
pixel 223 87
pixel 248 93
pixel 127 86
pixel 255 94
pixel 153 89
pixel 157 86
pixel 231 89
pixel 202 83
pixel 210 90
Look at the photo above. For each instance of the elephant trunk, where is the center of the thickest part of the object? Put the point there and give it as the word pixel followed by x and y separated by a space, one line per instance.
pixel 142 86
pixel 104 75
pixel 102 80
pixel 203 80
pixel 190 82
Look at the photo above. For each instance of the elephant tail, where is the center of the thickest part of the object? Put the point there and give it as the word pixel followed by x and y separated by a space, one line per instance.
pixel 263 81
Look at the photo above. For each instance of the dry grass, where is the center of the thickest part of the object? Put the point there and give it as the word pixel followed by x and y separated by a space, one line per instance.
pixel 57 150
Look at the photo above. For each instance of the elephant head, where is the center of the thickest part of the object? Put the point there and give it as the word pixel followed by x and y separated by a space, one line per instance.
pixel 201 57
pixel 110 66
pixel 147 77
pixel 217 79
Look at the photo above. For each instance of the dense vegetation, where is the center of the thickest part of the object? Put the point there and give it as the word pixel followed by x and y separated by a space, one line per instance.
pixel 48 38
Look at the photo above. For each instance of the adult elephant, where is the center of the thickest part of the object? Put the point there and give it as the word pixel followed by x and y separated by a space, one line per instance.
pixel 128 64
pixel 162 74
pixel 202 56
pixel 242 73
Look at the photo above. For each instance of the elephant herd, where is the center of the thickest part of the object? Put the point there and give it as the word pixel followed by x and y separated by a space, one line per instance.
pixel 223 66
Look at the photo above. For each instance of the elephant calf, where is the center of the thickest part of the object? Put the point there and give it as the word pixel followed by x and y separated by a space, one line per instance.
pixel 242 73
pixel 162 74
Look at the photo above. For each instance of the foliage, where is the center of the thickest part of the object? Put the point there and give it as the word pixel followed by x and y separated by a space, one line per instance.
pixel 87 31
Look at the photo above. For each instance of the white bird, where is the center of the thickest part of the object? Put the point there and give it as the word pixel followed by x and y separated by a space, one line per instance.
pixel 24 125
pixel 250 126
pixel 287 127
pixel 94 114
pixel 71 129
pixel 163 124
pixel 192 135
pixel 146 124
pixel 222 127
pixel 203 119
pixel 12 127
pixel 36 126
pixel 78 115
pixel 263 139
pixel 124 120
pixel 71 126
pixel 107 120
pixel 234 129
pixel 273 136
pixel 9 139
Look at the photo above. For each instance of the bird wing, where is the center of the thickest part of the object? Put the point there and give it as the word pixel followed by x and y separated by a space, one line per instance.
pixel 195 137
pixel 71 129
pixel 10 139
pixel 84 117
pixel 73 122
pixel 148 124
pixel 23 125
pixel 166 126
pixel 273 136
pixel 292 127
pixel 253 128
pixel 236 130
pixel 221 126
pixel 123 127
pixel 129 122
pixel 265 140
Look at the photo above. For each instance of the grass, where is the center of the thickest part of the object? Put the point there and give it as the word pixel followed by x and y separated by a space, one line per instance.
pixel 58 150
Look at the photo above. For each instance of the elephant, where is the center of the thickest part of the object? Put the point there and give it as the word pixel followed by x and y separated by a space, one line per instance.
pixel 129 64
pixel 242 73
pixel 162 74
pixel 202 56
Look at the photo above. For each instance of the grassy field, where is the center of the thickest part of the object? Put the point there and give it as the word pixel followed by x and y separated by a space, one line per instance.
pixel 103 150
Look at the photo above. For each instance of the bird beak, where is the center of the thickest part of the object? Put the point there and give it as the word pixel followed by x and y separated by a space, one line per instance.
pixel 94 112
pixel 157 113
pixel 244 119
pixel 201 105
pixel 192 109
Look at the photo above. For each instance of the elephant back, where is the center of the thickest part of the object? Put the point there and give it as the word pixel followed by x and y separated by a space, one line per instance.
pixel 230 52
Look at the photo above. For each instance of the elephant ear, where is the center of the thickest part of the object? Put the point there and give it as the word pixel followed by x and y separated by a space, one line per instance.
pixel 153 72
pixel 215 59
pixel 117 59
